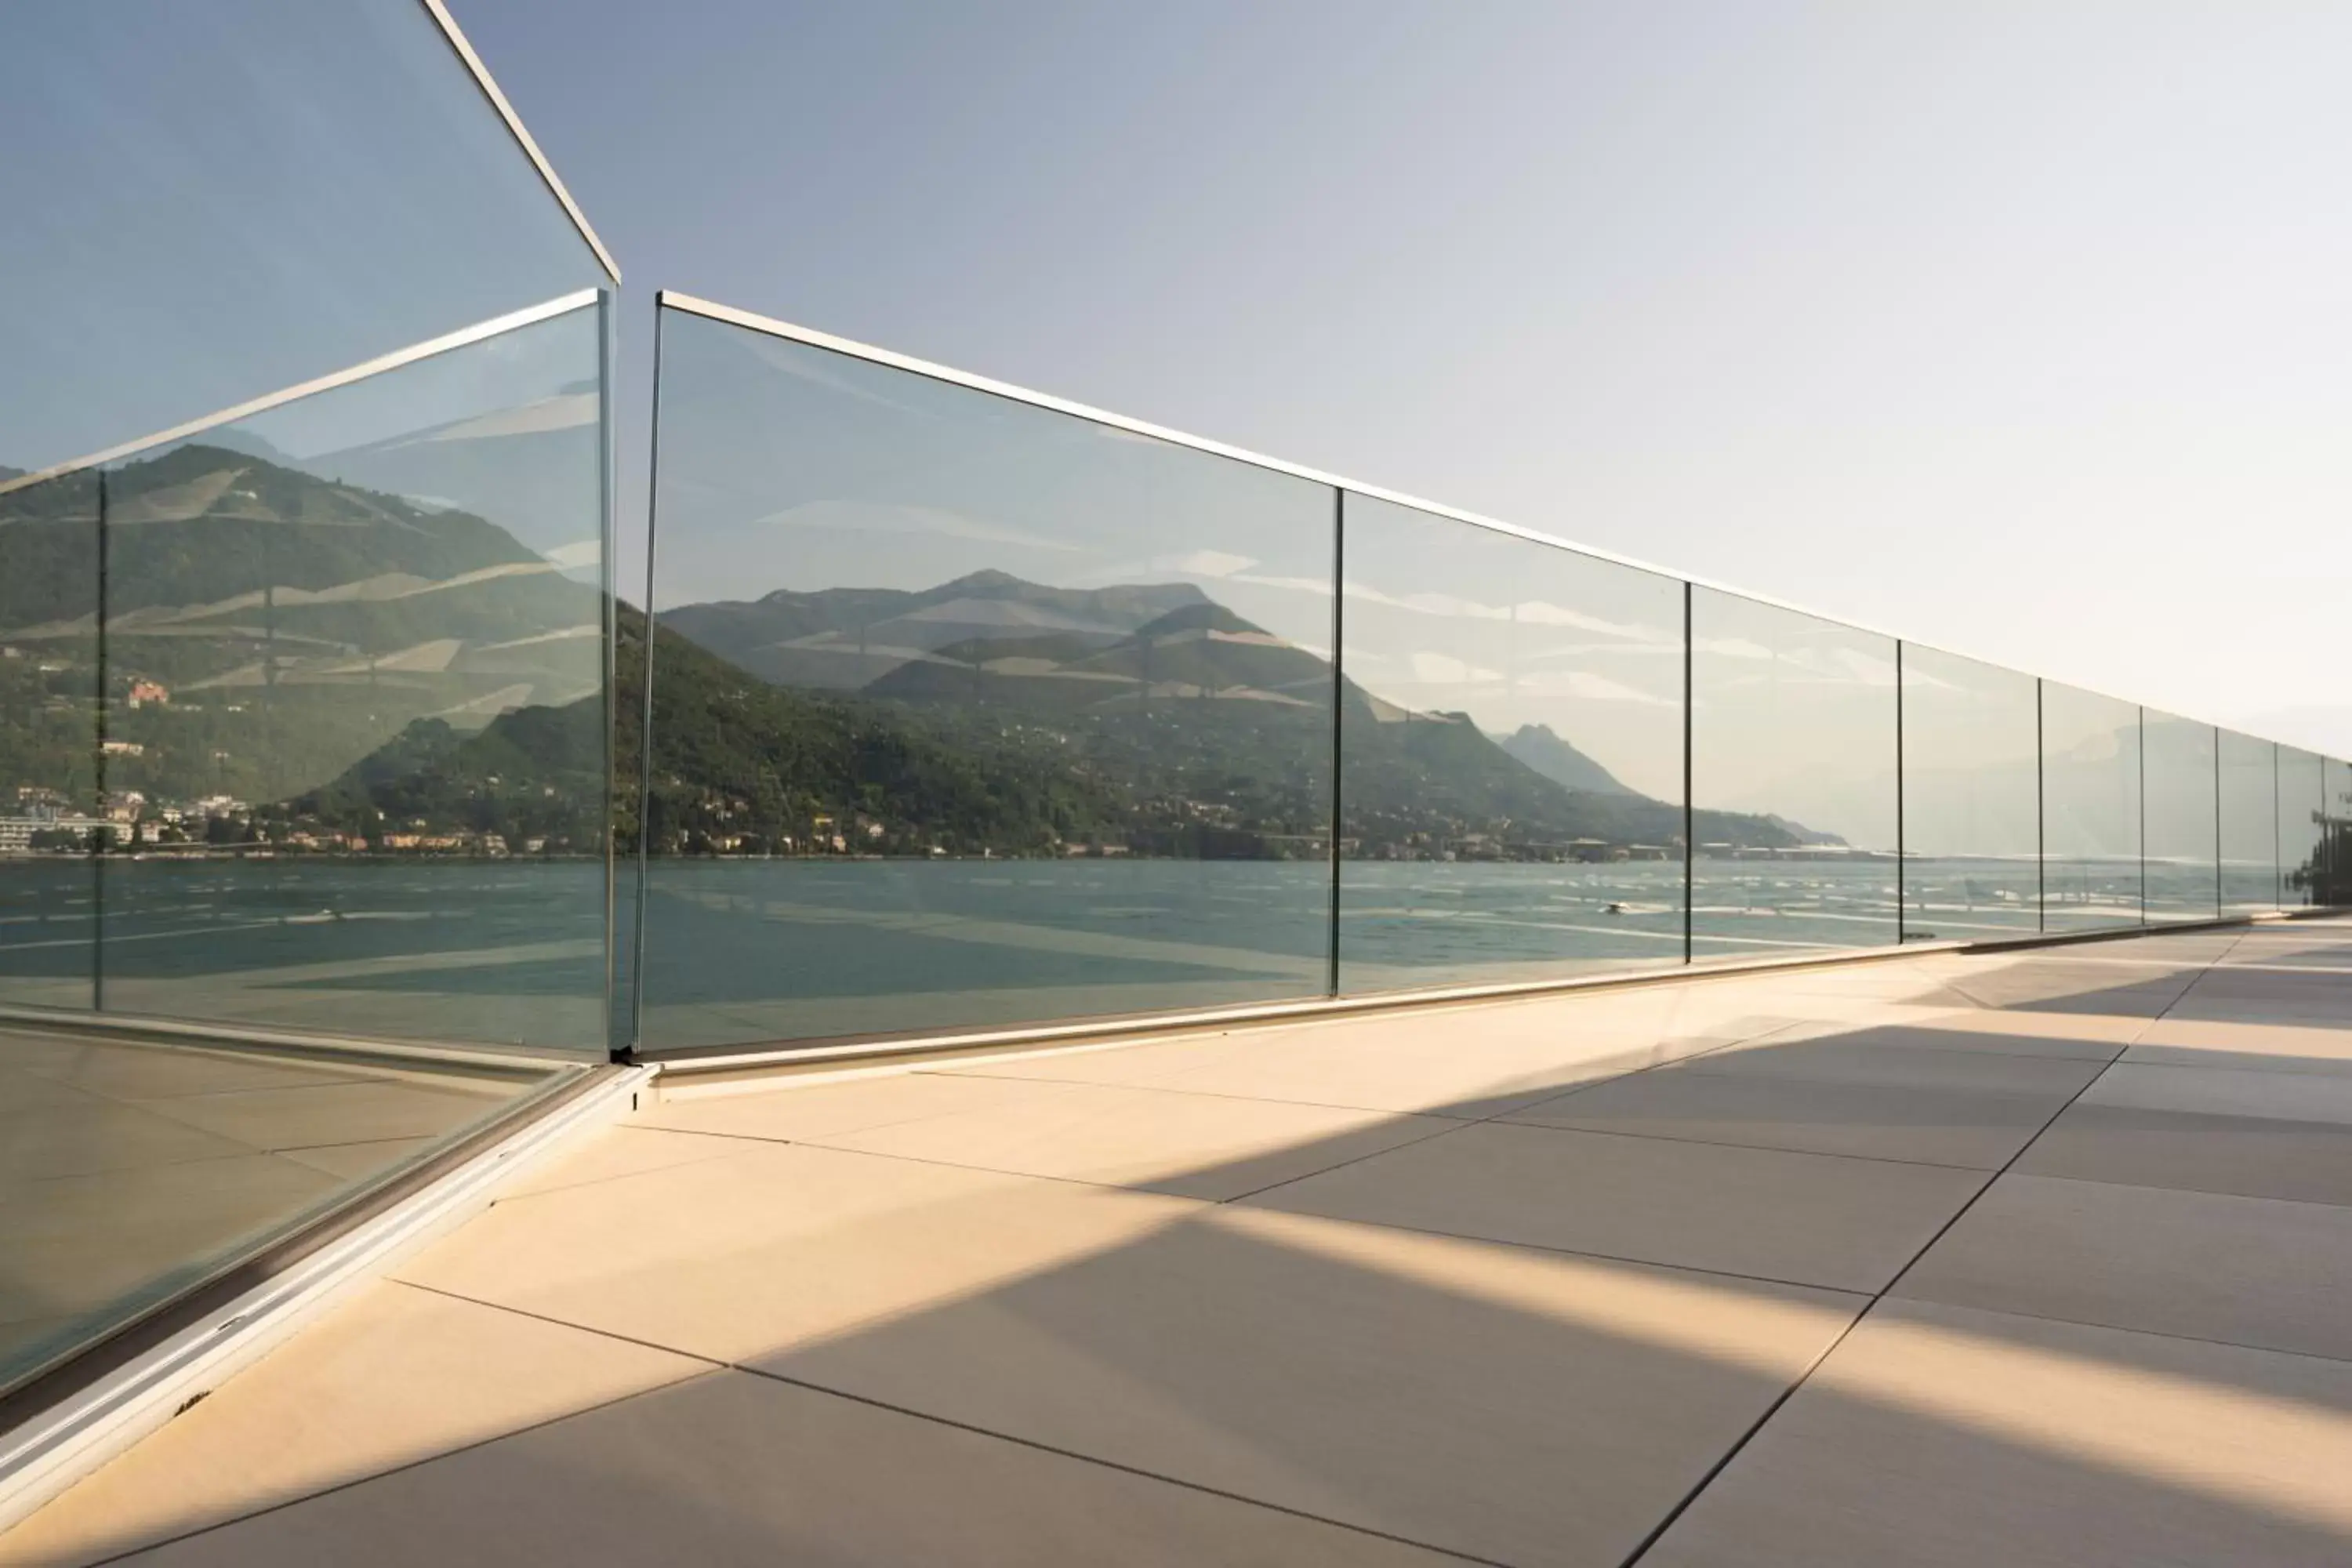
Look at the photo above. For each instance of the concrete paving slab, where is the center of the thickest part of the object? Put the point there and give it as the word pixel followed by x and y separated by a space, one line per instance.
pixel 1512 1405
pixel 1815 1219
pixel 2243 1270
pixel 732 1258
pixel 1195 1145
pixel 395 1376
pixel 1939 1127
pixel 1938 1436
pixel 2213 1130
pixel 734 1469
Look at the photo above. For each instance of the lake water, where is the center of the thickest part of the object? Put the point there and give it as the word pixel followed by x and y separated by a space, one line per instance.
pixel 739 951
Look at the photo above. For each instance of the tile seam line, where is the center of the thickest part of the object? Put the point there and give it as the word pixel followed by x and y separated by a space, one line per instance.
pixel 1729 1053
pixel 1754 1147
pixel 1458 1124
pixel 1847 1030
pixel 711 1366
pixel 2185 1192
pixel 2336 1067
pixel 1380 1110
pixel 2344 1361
pixel 1862 1294
pixel 128 1554
pixel 1703 1143
pixel 1658 1531
pixel 1144 1189
pixel 1193 1093
pixel 1462 1124
pixel 1202 1208
pixel 759 1140
pixel 1123 1467
pixel 710 1362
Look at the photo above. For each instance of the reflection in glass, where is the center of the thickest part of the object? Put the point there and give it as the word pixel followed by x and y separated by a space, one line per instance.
pixel 1972 829
pixel 354 706
pixel 1511 740
pixel 2182 818
pixel 1792 732
pixel 136 1170
pixel 2249 825
pixel 49 821
pixel 2302 805
pixel 2090 810
pixel 2332 884
pixel 967 711
pixel 209 203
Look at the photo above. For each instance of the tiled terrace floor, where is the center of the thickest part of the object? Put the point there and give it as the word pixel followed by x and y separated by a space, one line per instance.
pixel 2025 1260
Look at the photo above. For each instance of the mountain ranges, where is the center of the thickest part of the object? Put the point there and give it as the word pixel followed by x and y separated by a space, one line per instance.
pixel 365 661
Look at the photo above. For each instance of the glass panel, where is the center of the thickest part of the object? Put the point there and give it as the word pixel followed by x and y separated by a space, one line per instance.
pixel 1971 812
pixel 2183 823
pixel 2303 795
pixel 49 742
pixel 967 711
pixel 2334 884
pixel 238 197
pixel 138 1169
pixel 1511 757
pixel 2250 824
pixel 355 707
pixel 1792 731
pixel 2090 810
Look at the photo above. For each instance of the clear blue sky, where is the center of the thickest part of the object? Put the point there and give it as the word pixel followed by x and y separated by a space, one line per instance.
pixel 2020 328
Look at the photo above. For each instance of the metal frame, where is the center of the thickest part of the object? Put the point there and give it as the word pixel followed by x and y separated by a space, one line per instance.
pixel 489 84
pixel 1901 856
pixel 1338 741
pixel 608 339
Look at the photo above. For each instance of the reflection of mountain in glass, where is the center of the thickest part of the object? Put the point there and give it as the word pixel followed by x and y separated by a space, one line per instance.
pixel 848 637
pixel 1540 749
pixel 265 630
pixel 1137 719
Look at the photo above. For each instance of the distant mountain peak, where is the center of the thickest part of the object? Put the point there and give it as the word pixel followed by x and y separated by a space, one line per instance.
pixel 1541 747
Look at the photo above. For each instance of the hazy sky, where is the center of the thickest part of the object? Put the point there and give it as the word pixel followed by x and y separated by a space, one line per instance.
pixel 2022 329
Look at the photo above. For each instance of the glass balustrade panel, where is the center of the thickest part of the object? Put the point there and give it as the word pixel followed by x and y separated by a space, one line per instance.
pixel 2250 824
pixel 1971 808
pixel 1511 757
pixel 2091 874
pixel 2183 818
pixel 1793 781
pixel 970 712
